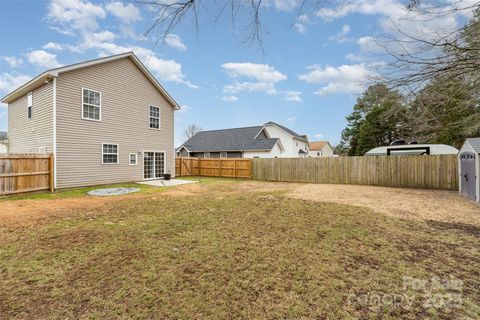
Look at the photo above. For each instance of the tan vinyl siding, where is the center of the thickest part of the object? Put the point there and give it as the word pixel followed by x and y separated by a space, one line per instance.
pixel 27 135
pixel 126 95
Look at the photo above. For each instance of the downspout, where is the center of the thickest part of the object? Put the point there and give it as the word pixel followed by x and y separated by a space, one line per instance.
pixel 54 107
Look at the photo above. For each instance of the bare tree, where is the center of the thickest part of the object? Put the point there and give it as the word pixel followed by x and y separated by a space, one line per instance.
pixel 419 59
pixel 191 130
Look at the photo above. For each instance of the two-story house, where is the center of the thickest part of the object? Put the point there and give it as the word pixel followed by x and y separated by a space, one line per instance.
pixel 106 120
pixel 270 140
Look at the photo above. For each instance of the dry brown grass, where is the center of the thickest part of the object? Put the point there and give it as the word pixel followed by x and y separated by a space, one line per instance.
pixel 416 204
pixel 225 249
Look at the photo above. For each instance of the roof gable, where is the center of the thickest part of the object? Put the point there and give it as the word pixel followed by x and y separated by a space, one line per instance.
pixel 474 143
pixel 49 74
pixel 318 145
pixel 287 130
pixel 236 139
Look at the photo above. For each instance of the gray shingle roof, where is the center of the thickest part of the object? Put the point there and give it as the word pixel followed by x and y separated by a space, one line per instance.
pixel 3 135
pixel 293 133
pixel 475 143
pixel 237 139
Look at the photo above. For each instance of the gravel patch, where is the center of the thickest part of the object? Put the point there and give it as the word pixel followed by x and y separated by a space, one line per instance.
pixel 112 191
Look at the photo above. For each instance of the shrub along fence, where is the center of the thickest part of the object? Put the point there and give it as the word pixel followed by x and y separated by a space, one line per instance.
pixel 218 167
pixel 25 173
pixel 429 172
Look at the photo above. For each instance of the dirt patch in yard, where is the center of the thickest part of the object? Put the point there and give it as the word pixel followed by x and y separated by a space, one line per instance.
pixel 428 205
pixel 30 212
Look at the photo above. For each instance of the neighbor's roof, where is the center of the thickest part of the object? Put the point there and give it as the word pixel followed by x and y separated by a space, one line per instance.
pixel 50 74
pixel 317 145
pixel 291 132
pixel 3 135
pixel 475 143
pixel 236 139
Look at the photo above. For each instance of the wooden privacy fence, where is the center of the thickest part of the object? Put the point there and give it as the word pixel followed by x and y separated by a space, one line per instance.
pixel 429 172
pixel 25 173
pixel 216 167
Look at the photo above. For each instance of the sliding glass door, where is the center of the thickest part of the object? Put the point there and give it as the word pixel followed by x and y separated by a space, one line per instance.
pixel 153 165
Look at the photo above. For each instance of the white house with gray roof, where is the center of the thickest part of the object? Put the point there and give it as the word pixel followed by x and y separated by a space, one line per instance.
pixel 270 140
pixel 106 120
pixel 3 142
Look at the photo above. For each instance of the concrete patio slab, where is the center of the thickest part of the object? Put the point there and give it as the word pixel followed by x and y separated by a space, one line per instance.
pixel 166 183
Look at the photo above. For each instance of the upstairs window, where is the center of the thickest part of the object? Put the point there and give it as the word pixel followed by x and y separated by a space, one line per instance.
pixel 154 117
pixel 91 105
pixel 223 154
pixel 109 153
pixel 29 105
pixel 206 155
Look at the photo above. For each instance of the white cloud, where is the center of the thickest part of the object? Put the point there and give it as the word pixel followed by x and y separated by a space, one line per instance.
pixel 291 119
pixel 262 77
pixel 126 13
pixel 166 70
pixel 342 36
pixel 91 38
pixel 53 46
pixel 343 79
pixel 75 14
pixel 318 135
pixel 286 5
pixel 259 72
pixel 301 23
pixel 9 81
pixel 229 98
pixel 174 41
pixel 396 21
pixel 12 61
pixel 43 59
pixel 185 108
pixel 237 87
pixel 366 7
pixel 293 96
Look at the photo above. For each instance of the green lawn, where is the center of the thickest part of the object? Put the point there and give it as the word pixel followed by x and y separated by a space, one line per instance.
pixel 223 255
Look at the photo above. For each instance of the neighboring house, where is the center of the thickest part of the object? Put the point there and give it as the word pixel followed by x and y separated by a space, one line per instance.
pixel 3 142
pixel 106 121
pixel 320 149
pixel 271 140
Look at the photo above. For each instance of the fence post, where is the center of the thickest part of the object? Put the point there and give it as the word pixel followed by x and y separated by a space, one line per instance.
pixel 234 169
pixel 52 173
pixel 181 165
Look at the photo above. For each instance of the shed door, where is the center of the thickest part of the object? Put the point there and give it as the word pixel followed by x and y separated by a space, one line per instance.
pixel 468 175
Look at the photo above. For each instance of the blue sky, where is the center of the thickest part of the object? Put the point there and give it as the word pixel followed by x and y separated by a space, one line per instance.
pixel 308 76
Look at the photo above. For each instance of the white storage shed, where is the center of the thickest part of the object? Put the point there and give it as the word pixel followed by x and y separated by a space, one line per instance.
pixel 469 169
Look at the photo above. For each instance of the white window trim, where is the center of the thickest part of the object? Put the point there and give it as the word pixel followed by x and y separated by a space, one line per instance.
pixel 129 162
pixel 30 105
pixel 225 153
pixel 118 153
pixel 159 117
pixel 154 173
pixel 205 155
pixel 100 106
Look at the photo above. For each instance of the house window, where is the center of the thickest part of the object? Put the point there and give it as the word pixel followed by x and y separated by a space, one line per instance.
pixel 132 159
pixel 91 105
pixel 318 153
pixel 206 155
pixel 223 154
pixel 109 153
pixel 29 105
pixel 154 117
